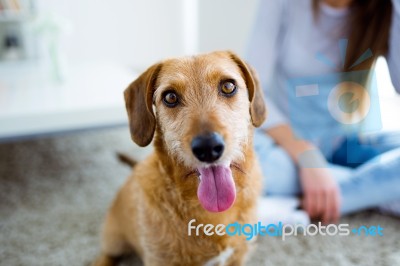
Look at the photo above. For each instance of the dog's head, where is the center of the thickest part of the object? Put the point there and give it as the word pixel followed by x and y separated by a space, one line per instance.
pixel 204 107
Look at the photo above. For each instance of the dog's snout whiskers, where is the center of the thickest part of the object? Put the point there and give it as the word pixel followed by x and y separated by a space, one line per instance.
pixel 194 172
pixel 237 167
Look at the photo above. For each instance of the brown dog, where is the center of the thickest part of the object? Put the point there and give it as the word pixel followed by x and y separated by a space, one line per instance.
pixel 200 111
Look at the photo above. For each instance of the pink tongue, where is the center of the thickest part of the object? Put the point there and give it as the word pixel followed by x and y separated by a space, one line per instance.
pixel 216 191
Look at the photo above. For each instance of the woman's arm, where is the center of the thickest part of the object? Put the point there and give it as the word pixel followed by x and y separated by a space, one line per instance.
pixel 321 196
pixel 320 192
pixel 393 56
pixel 262 48
pixel 284 137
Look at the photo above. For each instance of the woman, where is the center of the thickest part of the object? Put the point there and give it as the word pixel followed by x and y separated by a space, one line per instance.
pixel 315 61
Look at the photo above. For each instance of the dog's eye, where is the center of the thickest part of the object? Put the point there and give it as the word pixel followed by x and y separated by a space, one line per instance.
pixel 170 99
pixel 228 87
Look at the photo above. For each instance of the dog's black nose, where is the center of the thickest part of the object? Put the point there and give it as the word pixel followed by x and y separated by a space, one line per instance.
pixel 208 148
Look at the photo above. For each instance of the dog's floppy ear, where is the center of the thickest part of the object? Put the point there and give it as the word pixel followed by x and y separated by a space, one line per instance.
pixel 139 105
pixel 258 110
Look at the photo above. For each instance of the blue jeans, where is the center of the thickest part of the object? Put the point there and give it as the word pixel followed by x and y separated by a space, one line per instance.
pixel 375 180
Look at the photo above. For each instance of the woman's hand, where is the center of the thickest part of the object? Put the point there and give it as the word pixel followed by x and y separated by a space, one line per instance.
pixel 321 193
pixel 321 197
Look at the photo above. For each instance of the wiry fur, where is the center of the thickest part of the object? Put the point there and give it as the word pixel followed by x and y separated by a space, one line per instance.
pixel 151 212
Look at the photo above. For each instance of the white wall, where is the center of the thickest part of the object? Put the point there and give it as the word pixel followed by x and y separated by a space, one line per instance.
pixel 226 24
pixel 131 32
pixel 140 32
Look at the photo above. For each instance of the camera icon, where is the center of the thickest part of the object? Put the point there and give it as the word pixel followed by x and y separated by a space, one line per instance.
pixel 334 105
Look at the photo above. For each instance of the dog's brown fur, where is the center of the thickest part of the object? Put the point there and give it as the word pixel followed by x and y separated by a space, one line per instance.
pixel 150 214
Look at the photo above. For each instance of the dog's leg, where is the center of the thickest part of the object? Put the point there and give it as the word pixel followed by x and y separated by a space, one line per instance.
pixel 113 243
pixel 238 258
pixel 104 260
pixel 239 261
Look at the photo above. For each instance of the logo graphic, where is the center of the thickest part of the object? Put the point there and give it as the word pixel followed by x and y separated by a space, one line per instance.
pixel 251 231
pixel 344 102
pixel 334 105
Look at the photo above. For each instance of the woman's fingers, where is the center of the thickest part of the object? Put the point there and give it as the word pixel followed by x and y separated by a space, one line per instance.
pixel 321 194
pixel 320 199
pixel 312 200
pixel 327 216
pixel 336 206
pixel 332 206
pixel 307 202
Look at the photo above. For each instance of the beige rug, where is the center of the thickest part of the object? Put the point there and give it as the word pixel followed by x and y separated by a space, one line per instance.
pixel 55 191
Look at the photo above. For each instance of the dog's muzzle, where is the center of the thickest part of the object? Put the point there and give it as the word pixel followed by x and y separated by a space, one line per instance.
pixel 208 147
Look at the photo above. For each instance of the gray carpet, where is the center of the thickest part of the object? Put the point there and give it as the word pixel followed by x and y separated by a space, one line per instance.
pixel 55 192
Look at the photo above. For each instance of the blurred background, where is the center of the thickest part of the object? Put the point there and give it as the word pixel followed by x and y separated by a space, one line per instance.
pixel 64 64
pixel 63 67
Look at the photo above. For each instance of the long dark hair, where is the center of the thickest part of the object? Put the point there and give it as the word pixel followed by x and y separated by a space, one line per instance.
pixel 368 28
